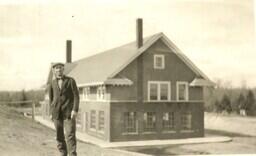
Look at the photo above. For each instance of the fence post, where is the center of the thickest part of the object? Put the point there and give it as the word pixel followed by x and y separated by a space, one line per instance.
pixel 33 110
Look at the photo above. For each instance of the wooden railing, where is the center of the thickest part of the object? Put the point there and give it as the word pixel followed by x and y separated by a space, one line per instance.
pixel 19 103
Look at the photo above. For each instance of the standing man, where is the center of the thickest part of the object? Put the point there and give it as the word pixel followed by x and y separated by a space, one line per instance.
pixel 64 105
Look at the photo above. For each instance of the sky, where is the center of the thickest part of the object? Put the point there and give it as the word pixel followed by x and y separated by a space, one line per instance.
pixel 217 35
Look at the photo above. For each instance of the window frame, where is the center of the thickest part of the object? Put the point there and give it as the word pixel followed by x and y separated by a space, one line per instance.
pixel 100 125
pixel 95 124
pixel 146 127
pixel 135 122
pixel 86 93
pixel 101 93
pixel 166 123
pixel 162 56
pixel 81 93
pixel 178 83
pixel 159 90
pixel 186 121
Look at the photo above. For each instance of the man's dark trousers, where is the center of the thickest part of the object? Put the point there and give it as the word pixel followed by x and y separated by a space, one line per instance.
pixel 70 135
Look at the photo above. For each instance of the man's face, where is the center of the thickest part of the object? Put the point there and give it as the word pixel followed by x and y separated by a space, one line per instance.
pixel 58 71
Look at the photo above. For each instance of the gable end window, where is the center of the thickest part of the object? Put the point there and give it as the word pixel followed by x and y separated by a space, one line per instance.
pixel 159 62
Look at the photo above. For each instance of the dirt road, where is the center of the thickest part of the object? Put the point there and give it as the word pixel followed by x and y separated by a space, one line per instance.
pixel 20 136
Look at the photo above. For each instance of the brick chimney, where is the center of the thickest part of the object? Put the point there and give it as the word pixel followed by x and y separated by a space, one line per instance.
pixel 69 51
pixel 139 32
pixel 139 40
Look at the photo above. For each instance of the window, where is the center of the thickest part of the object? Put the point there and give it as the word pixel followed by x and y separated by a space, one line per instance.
pixel 130 122
pixel 182 91
pixel 149 121
pixel 86 121
pixel 101 123
pixel 164 90
pixel 101 92
pixel 168 121
pixel 79 119
pixel 159 91
pixel 93 120
pixel 186 120
pixel 159 62
pixel 86 93
pixel 153 87
pixel 81 94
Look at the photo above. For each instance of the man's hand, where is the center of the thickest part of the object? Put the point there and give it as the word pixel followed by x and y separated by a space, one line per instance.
pixel 73 114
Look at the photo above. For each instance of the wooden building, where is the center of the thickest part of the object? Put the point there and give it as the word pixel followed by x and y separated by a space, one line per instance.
pixel 147 89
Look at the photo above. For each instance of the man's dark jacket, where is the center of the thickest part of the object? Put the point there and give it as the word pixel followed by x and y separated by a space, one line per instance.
pixel 64 100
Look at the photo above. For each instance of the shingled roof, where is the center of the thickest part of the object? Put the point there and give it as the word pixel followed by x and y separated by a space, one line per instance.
pixel 101 68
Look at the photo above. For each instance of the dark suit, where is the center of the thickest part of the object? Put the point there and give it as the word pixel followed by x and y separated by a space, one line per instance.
pixel 63 100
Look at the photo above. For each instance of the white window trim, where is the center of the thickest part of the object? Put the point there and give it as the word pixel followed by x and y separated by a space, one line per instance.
pixel 96 122
pixel 159 90
pixel 85 93
pixel 101 97
pixel 163 61
pixel 98 126
pixel 82 98
pixel 177 90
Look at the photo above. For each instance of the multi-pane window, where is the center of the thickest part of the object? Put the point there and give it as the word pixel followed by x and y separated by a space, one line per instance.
pixel 159 91
pixel 130 122
pixel 159 62
pixel 149 122
pixel 101 123
pixel 186 120
pixel 182 91
pixel 93 119
pixel 101 92
pixel 168 121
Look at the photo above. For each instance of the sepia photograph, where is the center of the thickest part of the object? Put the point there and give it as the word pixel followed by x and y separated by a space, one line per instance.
pixel 127 77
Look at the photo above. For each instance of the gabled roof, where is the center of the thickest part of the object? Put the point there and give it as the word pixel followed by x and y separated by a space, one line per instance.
pixel 103 67
pixel 99 68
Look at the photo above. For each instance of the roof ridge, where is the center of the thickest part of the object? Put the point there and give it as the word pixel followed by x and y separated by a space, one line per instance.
pixel 146 39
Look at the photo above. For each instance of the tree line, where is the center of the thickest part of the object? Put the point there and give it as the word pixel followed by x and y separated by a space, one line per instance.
pixel 222 99
pixel 10 97
pixel 230 100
